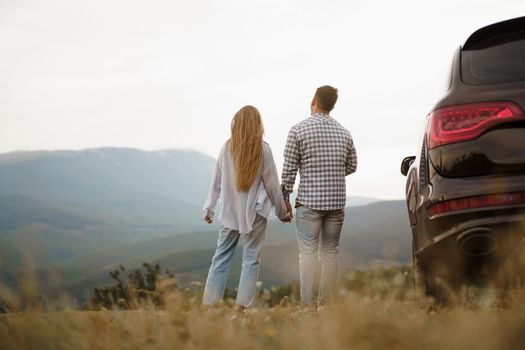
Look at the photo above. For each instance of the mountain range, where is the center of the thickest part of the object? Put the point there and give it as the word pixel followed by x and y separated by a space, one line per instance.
pixel 83 213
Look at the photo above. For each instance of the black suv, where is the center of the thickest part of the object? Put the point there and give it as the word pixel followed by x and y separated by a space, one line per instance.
pixel 466 187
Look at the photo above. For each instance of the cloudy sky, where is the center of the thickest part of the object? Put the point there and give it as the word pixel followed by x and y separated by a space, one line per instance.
pixel 171 74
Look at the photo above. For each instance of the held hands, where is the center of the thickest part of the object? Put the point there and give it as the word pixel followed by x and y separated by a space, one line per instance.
pixel 289 215
pixel 289 209
pixel 287 219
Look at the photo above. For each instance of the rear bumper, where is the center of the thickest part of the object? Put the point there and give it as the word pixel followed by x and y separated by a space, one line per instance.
pixel 430 231
pixel 479 249
pixel 492 223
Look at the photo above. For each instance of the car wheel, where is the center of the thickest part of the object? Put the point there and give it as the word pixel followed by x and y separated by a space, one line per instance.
pixel 419 272
pixel 438 289
pixel 428 283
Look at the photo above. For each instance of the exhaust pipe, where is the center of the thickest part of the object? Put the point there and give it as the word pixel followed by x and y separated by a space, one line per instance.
pixel 478 242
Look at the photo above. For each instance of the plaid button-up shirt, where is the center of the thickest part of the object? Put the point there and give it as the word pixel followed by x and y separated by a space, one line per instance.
pixel 323 152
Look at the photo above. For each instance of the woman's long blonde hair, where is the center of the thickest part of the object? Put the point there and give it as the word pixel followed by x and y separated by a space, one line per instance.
pixel 246 145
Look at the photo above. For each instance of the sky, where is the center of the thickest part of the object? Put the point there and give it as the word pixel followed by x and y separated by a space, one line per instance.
pixel 162 74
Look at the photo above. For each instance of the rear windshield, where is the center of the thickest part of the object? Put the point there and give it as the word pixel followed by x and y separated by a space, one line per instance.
pixel 495 64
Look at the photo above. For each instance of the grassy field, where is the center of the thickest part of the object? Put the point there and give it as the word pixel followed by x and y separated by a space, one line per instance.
pixel 376 309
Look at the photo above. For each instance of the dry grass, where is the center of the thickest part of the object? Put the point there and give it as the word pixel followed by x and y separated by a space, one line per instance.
pixel 380 314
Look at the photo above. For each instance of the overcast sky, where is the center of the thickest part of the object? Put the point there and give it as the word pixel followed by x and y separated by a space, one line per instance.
pixel 171 74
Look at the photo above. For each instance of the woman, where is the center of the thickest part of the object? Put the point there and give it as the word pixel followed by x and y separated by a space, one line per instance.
pixel 245 178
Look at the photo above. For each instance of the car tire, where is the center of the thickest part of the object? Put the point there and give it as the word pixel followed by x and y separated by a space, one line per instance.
pixel 419 272
pixel 439 290
pixel 427 283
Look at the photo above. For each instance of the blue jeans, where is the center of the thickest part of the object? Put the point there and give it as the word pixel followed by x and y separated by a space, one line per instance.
pixel 318 233
pixel 221 263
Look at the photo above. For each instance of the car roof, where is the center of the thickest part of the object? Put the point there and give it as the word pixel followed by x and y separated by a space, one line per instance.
pixel 497 33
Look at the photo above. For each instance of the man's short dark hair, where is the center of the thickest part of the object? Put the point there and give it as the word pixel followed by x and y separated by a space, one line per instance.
pixel 326 97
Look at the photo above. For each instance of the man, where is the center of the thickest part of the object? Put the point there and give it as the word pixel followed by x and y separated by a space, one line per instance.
pixel 323 152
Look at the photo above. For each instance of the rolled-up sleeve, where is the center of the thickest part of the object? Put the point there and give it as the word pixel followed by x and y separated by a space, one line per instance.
pixel 351 158
pixel 292 158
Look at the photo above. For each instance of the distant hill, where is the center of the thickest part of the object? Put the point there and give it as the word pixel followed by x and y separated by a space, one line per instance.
pixel 17 211
pixel 356 201
pixel 82 213
pixel 116 186
pixel 106 175
pixel 55 205
pixel 377 233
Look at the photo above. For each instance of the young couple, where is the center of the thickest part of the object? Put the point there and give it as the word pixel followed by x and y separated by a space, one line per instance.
pixel 245 178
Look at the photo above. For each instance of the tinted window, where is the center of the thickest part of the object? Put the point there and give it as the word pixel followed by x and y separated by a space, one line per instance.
pixel 494 64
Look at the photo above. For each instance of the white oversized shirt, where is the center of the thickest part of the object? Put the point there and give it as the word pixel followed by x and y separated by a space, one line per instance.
pixel 238 209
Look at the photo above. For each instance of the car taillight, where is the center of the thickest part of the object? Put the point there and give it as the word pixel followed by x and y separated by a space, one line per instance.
pixel 466 122
pixel 492 200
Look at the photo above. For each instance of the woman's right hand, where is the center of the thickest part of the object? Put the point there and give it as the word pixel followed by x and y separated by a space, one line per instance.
pixel 208 219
